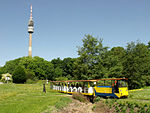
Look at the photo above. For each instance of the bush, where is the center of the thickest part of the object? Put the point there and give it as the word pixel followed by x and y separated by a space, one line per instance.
pixel 80 97
pixel 30 75
pixel 97 99
pixel 124 109
pixel 62 102
pixel 32 81
pixel 29 81
pixel 19 75
pixel 106 102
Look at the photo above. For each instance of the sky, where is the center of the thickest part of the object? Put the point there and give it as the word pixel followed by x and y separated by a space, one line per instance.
pixel 60 25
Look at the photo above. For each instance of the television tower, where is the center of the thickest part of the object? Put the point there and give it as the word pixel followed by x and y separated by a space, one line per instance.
pixel 30 31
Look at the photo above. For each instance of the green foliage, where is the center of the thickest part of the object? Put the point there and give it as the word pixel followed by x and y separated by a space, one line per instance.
pixel 97 99
pixel 30 81
pixel 137 64
pixel 80 97
pixel 106 102
pixel 89 64
pixel 1 72
pixel 148 110
pixel 95 61
pixel 34 67
pixel 139 102
pixel 19 75
pixel 64 68
pixel 61 79
pixel 62 102
pixel 11 65
pixel 58 72
pixel 68 67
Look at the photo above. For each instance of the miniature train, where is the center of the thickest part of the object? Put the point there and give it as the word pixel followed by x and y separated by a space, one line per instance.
pixel 114 87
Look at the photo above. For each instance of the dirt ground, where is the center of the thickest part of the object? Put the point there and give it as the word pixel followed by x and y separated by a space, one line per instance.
pixel 80 107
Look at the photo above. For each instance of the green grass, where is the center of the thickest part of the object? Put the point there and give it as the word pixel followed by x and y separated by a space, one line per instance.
pixel 140 95
pixel 29 98
pixel 138 101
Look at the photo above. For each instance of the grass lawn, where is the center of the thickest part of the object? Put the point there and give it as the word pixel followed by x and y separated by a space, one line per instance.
pixel 29 98
pixel 139 96
pixel 137 102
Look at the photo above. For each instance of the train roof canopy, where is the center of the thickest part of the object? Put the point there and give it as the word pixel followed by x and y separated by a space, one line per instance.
pixel 94 80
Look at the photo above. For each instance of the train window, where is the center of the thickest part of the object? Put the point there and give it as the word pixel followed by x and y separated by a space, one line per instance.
pixel 122 83
pixel 108 83
pixel 65 84
pixel 77 85
pixel 113 83
pixel 100 83
pixel 91 84
pixel 68 85
pixel 85 84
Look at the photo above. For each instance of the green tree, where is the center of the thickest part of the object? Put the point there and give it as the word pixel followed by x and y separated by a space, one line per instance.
pixel 37 67
pixel 113 62
pixel 68 67
pixel 19 75
pixel 58 70
pixel 1 72
pixel 149 45
pixel 10 66
pixel 137 64
pixel 90 63
pixel 57 62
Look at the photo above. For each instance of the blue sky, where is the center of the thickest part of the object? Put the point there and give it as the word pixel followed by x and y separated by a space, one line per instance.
pixel 60 25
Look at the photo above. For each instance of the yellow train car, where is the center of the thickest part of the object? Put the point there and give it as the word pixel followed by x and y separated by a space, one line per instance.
pixel 115 87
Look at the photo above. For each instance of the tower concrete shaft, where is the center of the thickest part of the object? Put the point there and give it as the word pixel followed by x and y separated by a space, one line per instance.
pixel 30 44
pixel 30 31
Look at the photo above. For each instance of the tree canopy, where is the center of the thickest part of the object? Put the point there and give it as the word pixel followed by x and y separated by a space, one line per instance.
pixel 95 61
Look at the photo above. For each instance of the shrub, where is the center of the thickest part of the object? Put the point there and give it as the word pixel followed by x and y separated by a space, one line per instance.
pixel 145 105
pixel 80 97
pixel 29 81
pixel 62 102
pixel 94 106
pixel 97 99
pixel 117 109
pixel 19 75
pixel 148 110
pixel 30 75
pixel 106 102
pixel 32 81
pixel 136 104
pixel 124 109
pixel 143 110
pixel 131 111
